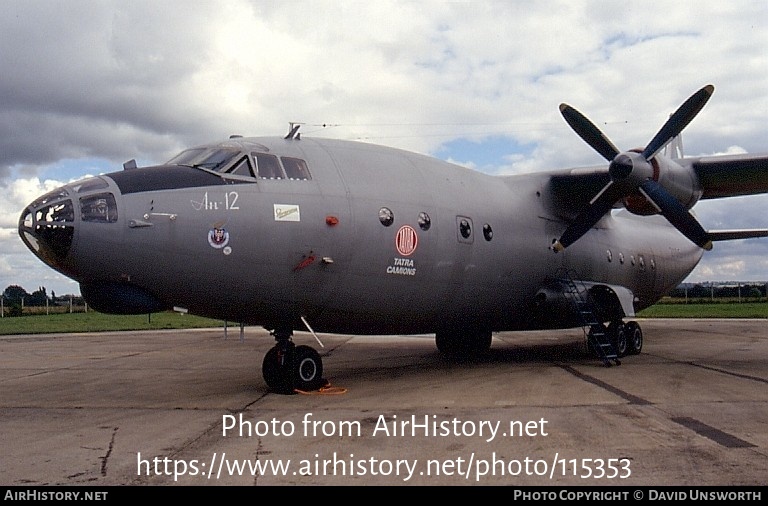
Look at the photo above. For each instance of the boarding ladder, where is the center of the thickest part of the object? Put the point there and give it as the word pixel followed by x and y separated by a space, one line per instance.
pixel 595 332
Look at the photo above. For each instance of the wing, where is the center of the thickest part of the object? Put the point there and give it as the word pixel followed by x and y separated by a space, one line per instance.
pixel 572 190
pixel 731 235
pixel 671 186
pixel 732 175
pixel 718 177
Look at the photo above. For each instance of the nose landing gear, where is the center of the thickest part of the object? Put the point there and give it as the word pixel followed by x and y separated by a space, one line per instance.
pixel 287 367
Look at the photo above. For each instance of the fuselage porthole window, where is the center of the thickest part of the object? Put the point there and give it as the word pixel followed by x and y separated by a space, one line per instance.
pixel 465 229
pixel 386 216
pixel 487 232
pixel 424 221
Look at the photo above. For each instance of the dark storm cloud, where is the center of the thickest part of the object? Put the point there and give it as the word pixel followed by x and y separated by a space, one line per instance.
pixel 85 78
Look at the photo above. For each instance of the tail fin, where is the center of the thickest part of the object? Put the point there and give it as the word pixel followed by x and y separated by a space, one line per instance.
pixel 675 148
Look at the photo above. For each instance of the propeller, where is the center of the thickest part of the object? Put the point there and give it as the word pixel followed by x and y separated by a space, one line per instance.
pixel 633 172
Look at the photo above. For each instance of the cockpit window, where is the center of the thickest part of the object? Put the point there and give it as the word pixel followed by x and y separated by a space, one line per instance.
pixel 233 160
pixel 100 208
pixel 216 159
pixel 268 166
pixel 295 168
pixel 185 157
pixel 206 158
pixel 90 184
pixel 50 197
pixel 242 168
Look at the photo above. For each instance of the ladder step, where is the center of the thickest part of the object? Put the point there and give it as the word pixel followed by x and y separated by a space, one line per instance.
pixel 597 336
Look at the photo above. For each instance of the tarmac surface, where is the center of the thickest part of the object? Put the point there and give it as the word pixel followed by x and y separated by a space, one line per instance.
pixel 191 408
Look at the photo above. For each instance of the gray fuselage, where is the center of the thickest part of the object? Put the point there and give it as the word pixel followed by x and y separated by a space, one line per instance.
pixel 372 240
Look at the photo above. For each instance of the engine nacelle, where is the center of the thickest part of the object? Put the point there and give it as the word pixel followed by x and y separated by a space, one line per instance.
pixel 554 306
pixel 679 181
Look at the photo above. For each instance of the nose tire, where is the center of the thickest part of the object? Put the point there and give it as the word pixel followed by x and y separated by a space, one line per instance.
pixel 287 369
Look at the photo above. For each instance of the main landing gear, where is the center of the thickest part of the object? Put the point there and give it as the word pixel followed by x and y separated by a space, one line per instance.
pixel 287 367
pixel 627 338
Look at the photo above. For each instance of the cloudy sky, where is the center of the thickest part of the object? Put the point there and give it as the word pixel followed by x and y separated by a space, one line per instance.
pixel 87 85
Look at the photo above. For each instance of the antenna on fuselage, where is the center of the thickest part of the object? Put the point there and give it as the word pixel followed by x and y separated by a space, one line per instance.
pixel 293 133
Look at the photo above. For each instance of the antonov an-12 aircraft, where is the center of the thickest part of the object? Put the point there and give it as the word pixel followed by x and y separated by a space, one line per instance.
pixel 332 236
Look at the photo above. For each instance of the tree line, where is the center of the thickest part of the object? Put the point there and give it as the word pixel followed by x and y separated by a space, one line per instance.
pixel 723 291
pixel 15 298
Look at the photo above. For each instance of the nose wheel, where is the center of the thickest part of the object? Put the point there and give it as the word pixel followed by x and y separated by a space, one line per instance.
pixel 287 367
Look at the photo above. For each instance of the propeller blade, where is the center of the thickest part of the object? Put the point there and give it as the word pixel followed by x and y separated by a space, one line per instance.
pixel 589 132
pixel 624 165
pixel 587 218
pixel 676 214
pixel 678 121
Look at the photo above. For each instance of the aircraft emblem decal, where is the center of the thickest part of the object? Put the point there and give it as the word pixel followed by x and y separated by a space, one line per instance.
pixel 287 212
pixel 218 237
pixel 406 240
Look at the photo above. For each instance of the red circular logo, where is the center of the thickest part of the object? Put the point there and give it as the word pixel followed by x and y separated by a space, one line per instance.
pixel 406 240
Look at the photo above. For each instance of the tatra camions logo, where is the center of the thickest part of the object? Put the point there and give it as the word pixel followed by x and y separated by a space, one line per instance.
pixel 406 240
pixel 404 266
